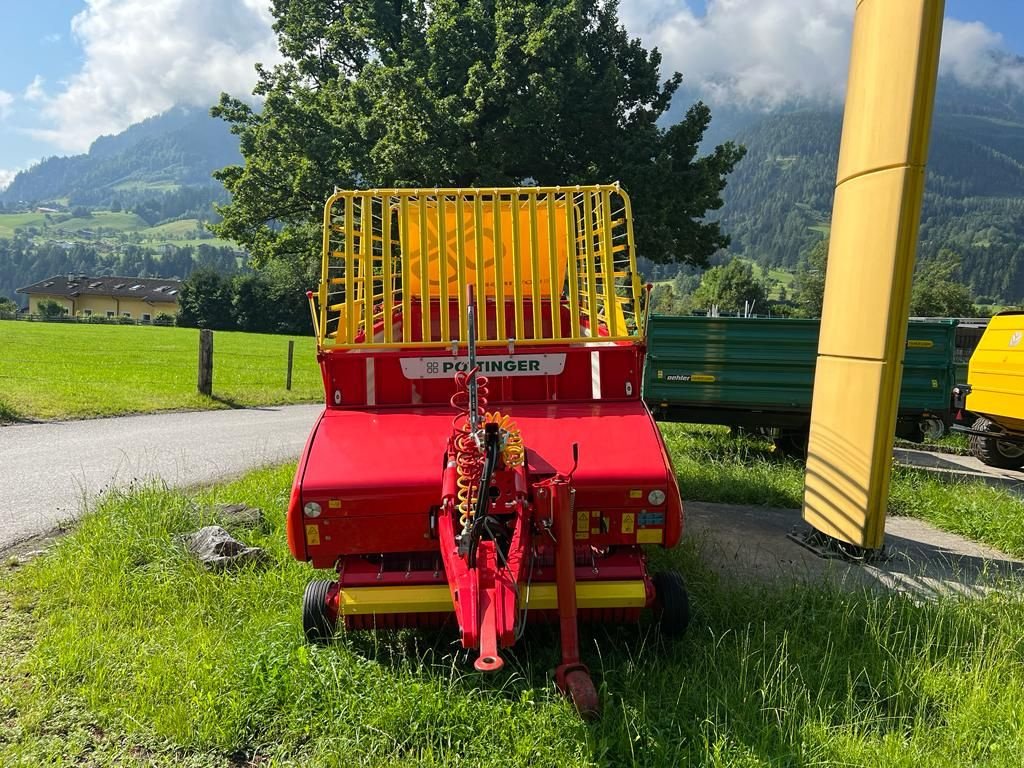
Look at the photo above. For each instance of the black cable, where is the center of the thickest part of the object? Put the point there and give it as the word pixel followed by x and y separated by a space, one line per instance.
pixel 491 449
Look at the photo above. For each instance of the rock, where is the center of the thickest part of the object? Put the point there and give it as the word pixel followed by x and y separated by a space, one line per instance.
pixel 217 550
pixel 240 514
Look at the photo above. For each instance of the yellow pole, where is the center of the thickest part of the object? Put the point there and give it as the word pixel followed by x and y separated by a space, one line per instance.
pixel 879 185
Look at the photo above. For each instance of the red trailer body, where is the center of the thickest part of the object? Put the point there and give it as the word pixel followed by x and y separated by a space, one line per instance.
pixel 484 451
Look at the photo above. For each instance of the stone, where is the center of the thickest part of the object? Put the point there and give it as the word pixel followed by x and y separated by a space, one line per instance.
pixel 240 515
pixel 217 550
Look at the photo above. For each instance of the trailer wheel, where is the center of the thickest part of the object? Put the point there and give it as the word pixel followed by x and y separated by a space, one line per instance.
pixel 318 623
pixel 671 603
pixel 994 452
pixel 581 690
pixel 792 443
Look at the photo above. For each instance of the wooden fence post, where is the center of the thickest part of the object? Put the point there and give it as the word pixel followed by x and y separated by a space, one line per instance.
pixel 291 353
pixel 205 362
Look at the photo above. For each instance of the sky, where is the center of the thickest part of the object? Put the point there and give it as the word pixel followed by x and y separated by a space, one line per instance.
pixel 73 70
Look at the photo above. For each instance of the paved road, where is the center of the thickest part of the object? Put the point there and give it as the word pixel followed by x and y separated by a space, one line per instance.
pixel 49 471
pixel 956 467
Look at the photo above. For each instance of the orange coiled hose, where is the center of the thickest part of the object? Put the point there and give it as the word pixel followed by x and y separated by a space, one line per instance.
pixel 512 450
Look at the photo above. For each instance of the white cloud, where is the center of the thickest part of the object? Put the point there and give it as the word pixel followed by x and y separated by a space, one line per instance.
pixel 967 55
pixel 6 177
pixel 6 99
pixel 34 91
pixel 750 52
pixel 144 56
pixel 761 53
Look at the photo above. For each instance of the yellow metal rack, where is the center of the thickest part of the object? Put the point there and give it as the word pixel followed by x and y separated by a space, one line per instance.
pixel 547 265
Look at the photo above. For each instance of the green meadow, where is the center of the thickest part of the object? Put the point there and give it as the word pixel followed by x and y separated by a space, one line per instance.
pixel 117 650
pixel 79 370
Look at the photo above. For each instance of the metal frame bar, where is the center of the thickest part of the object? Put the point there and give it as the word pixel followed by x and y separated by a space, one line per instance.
pixel 597 248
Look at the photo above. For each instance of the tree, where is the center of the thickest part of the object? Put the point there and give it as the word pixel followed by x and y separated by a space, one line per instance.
pixel 205 301
pixel 51 309
pixel 464 93
pixel 271 302
pixel 809 282
pixel 731 287
pixel 936 291
pixel 7 307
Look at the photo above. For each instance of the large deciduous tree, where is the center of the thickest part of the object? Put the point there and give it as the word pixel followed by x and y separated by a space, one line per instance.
pixel 937 292
pixel 731 287
pixel 381 93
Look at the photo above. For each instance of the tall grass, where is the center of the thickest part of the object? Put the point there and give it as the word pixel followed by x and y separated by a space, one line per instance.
pixel 136 645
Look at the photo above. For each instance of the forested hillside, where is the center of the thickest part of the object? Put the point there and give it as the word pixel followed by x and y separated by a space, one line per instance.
pixel 136 205
pixel 179 148
pixel 779 198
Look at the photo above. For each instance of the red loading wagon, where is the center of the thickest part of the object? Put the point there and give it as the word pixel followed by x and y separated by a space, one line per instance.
pixel 484 450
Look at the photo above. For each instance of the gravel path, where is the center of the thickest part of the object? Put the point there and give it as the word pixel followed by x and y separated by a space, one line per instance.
pixel 49 472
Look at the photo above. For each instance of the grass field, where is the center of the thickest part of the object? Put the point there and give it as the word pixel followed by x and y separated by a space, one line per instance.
pixel 120 222
pixel 58 227
pixel 115 649
pixel 12 221
pixel 58 370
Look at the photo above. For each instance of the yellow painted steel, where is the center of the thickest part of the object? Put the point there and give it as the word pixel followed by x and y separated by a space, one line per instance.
pixel 556 317
pixel 349 307
pixel 588 261
pixel 996 372
pixel 536 287
pixel 397 264
pixel 387 262
pixel 574 281
pixel 480 259
pixel 499 271
pixel 423 273
pixel 517 269
pixel 538 597
pixel 607 268
pixel 403 219
pixel 880 182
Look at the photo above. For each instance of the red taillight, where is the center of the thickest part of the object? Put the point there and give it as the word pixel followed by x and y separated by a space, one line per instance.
pixel 296 533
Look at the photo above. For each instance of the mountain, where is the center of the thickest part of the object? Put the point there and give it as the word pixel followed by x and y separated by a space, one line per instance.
pixel 779 199
pixel 178 148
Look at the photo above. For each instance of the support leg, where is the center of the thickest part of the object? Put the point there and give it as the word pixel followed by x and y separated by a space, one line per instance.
pixel 571 676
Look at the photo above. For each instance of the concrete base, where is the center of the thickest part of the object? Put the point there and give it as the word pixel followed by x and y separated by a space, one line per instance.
pixel 954 468
pixel 747 543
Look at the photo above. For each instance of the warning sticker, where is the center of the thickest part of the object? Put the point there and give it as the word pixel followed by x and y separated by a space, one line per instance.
pixel 312 536
pixel 582 525
pixel 649 536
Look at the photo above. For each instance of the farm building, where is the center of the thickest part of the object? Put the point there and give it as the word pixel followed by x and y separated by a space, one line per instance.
pixel 137 298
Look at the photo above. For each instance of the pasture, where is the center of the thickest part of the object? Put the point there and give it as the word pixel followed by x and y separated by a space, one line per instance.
pixel 116 649
pixel 79 370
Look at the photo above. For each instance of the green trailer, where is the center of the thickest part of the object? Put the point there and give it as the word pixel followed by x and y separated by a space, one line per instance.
pixel 757 374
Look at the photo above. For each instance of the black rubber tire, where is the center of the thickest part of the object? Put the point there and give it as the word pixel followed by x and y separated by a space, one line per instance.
pixel 792 442
pixel 317 622
pixel 909 430
pixel 994 452
pixel 672 603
